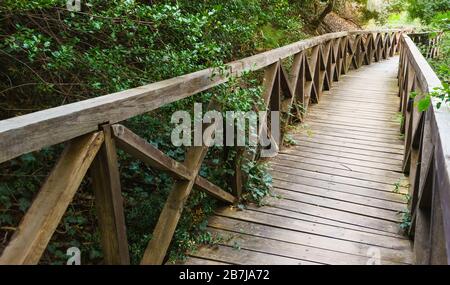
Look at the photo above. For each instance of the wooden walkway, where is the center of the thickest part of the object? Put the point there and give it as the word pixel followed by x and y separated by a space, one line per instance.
pixel 335 196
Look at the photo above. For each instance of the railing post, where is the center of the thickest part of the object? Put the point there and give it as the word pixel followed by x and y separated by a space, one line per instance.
pixel 109 202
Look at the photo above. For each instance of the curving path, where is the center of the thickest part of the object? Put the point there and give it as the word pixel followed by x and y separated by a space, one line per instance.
pixel 338 191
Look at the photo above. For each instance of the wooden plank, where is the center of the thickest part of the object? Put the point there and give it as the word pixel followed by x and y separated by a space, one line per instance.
pixel 319 220
pixel 301 238
pixel 381 146
pixel 109 202
pixel 173 208
pixel 213 190
pixel 339 155
pixel 356 113
pixel 335 215
pixel 340 196
pixel 309 181
pixel 34 131
pixel 288 231
pixel 338 130
pixel 141 149
pixel 282 171
pixel 363 111
pixel 311 159
pixel 392 140
pixel 322 230
pixel 168 219
pixel 338 204
pixel 42 218
pixel 201 261
pixel 351 126
pixel 291 250
pixel 339 172
pixel 370 124
pixel 353 152
pixel 144 151
pixel 245 257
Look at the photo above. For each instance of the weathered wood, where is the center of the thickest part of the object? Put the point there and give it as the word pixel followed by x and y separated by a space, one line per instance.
pixel 109 203
pixel 290 250
pixel 34 131
pixel 201 261
pixel 214 191
pixel 341 205
pixel 318 62
pixel 346 172
pixel 42 218
pixel 341 155
pixel 338 221
pixel 355 198
pixel 315 236
pixel 246 257
pixel 427 158
pixel 144 151
pixel 333 162
pixel 295 237
pixel 171 213
pixel 334 192
pixel 141 149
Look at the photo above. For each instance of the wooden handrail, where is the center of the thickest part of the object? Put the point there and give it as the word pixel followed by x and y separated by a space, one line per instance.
pixel 37 130
pixel 92 131
pixel 430 40
pixel 427 157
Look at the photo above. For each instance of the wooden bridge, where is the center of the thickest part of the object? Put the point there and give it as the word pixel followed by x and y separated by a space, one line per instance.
pixel 339 191
pixel 334 190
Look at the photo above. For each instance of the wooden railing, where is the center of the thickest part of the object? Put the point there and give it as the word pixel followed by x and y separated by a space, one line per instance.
pixel 92 132
pixel 429 42
pixel 427 157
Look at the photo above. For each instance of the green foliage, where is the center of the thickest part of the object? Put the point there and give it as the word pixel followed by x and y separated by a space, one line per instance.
pixel 405 224
pixel 259 181
pixel 50 56
pixel 289 140
pixel 437 16
pixel 397 186
pixel 427 9
pixel 441 94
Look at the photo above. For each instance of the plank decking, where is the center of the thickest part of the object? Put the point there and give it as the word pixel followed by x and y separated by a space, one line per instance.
pixel 336 200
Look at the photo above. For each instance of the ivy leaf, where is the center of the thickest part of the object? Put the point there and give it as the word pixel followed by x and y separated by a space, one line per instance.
pixel 424 104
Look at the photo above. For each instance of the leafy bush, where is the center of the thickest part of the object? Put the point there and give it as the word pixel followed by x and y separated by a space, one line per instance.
pixel 427 9
pixel 50 56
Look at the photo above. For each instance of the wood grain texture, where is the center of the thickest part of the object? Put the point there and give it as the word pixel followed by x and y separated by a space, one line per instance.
pixel 170 215
pixel 34 131
pixel 109 202
pixel 426 158
pixel 337 184
pixel 141 149
pixel 47 209
pixel 334 200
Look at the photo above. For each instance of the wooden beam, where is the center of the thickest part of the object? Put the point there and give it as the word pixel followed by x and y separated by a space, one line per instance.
pixel 171 213
pixel 109 202
pixel 213 190
pixel 34 131
pixel 41 220
pixel 144 151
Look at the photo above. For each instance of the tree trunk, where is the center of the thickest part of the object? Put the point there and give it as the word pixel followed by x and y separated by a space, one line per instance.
pixel 328 9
